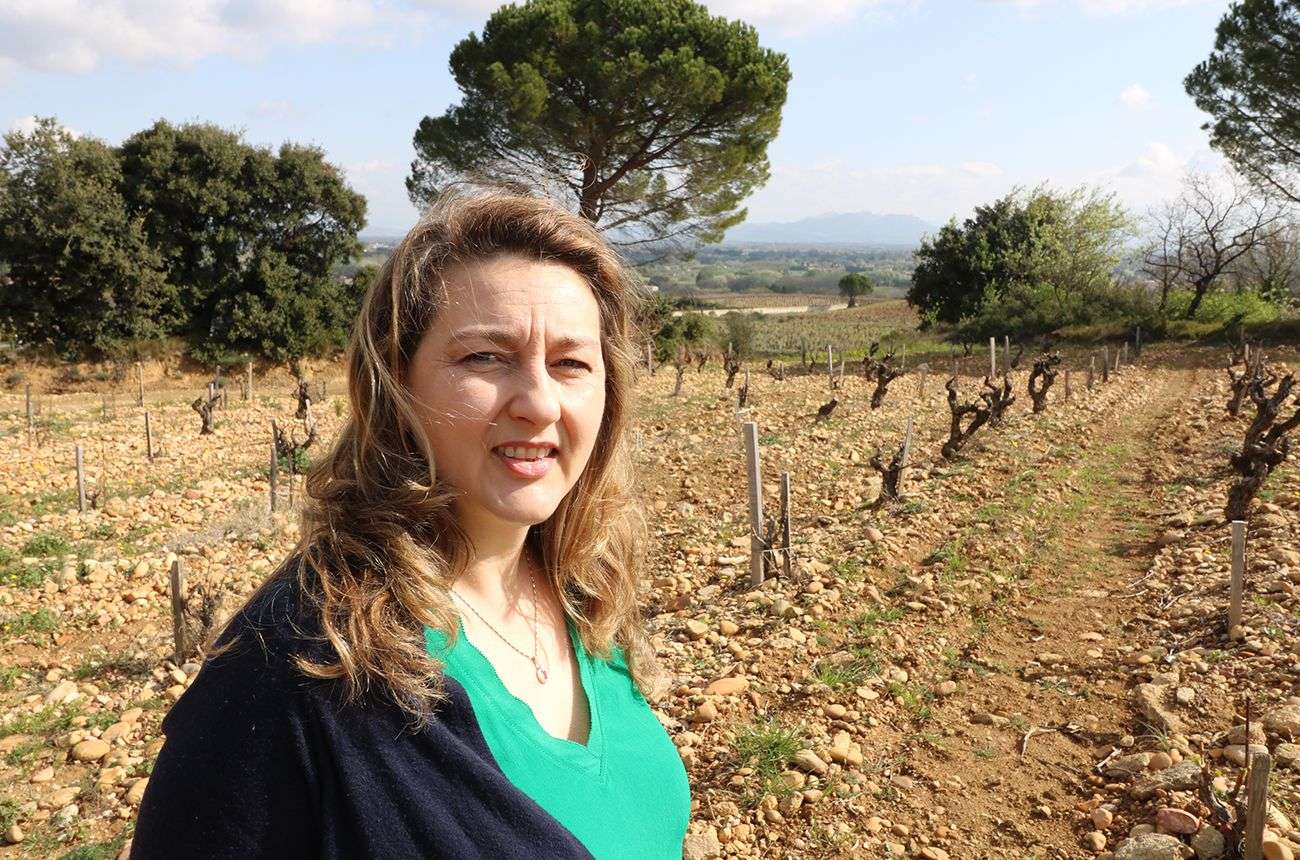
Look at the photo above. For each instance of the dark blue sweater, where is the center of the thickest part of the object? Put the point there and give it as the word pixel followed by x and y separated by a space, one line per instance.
pixel 261 761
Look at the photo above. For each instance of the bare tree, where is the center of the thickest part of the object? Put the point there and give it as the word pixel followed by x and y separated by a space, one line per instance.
pixel 1215 225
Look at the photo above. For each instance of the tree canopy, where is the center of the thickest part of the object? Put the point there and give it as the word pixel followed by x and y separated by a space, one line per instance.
pixel 855 284
pixel 1250 85
pixel 183 230
pixel 1044 250
pixel 651 116
pixel 82 277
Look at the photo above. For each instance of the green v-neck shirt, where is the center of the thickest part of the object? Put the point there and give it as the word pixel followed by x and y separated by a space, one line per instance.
pixel 623 794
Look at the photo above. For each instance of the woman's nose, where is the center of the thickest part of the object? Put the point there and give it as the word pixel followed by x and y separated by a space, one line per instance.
pixel 535 397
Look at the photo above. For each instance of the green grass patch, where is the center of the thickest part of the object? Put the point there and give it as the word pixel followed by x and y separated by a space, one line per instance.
pixel 46 722
pixel 40 621
pixel 767 748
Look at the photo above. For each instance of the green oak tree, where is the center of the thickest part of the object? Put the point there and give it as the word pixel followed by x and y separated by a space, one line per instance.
pixel 652 117
pixel 855 284
pixel 82 279
pixel 252 236
pixel 1250 85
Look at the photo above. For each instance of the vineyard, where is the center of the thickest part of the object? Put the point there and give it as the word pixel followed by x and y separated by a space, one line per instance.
pixel 1007 629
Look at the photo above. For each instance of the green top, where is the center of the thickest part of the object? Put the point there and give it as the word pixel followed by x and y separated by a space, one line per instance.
pixel 622 794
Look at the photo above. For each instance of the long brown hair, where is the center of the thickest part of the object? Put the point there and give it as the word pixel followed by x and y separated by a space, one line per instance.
pixel 380 545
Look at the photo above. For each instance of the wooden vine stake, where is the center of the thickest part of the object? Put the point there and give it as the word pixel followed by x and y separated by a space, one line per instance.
pixel 248 383
pixel 81 483
pixel 275 467
pixel 785 525
pixel 1006 351
pixel 139 379
pixel 993 357
pixel 178 611
pixel 148 437
pixel 1261 763
pixel 1067 384
pixel 756 528
pixel 1238 578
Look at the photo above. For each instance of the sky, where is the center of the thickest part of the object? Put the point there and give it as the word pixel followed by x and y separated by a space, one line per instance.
pixel 918 107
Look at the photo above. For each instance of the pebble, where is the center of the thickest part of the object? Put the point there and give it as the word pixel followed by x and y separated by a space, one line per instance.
pixel 45 774
pixel 947 688
pixel 707 712
pixel 1095 841
pixel 728 628
pixel 135 793
pixel 732 686
pixel 91 749
pixel 1209 844
pixel 1102 818
pixel 1150 846
pixel 14 834
pixel 1173 820
pixel 1274 850
pixel 809 761
pixel 696 629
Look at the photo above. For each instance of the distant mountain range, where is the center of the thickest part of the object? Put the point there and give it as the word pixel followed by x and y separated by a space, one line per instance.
pixel 857 228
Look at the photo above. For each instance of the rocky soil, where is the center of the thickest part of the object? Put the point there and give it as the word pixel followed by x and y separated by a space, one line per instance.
pixel 1025 656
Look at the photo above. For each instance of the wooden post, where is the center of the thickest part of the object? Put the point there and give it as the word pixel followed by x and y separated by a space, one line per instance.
pixel 1092 370
pixel 1117 354
pixel 1238 578
pixel 925 370
pixel 756 529
pixel 1137 341
pixel 1006 352
pixel 785 525
pixel 1067 384
pixel 275 468
pixel 248 388
pixel 1257 799
pixel 993 357
pixel 148 437
pixel 322 391
pixel 139 378
pixel 830 363
pixel 1105 364
pixel 907 441
pixel 81 483
pixel 178 611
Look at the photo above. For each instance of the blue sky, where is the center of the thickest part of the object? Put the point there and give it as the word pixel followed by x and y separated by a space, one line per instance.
pixel 922 107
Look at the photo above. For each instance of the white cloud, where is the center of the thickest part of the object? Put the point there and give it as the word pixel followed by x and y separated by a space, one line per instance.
pixel 1135 97
pixel 798 17
pixel 981 168
pixel 76 36
pixel 375 165
pixel 272 108
pixel 27 125
pixel 1103 7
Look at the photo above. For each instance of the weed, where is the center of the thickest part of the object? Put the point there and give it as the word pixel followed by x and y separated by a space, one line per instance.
pixel 40 621
pixel 48 721
pixel 985 752
pixel 9 677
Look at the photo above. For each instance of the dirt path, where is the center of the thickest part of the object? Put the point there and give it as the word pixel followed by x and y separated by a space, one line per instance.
pixel 1038 691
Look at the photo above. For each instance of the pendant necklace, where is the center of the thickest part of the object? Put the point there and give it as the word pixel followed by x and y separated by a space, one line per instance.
pixel 540 670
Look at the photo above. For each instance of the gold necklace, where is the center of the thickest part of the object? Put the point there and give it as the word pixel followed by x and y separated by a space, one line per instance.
pixel 537 666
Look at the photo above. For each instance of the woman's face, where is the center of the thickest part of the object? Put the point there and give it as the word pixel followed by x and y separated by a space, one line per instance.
pixel 510 384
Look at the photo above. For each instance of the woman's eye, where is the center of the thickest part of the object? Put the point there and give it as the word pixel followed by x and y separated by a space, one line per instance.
pixel 582 365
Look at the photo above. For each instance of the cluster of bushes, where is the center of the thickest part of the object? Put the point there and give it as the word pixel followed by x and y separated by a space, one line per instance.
pixel 1068 263
pixel 179 232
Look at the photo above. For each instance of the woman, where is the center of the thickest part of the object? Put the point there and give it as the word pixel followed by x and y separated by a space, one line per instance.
pixel 452 663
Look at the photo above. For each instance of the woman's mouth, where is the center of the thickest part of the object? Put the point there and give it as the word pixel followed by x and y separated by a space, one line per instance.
pixel 526 462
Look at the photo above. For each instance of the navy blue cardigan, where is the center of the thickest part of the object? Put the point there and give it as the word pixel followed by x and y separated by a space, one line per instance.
pixel 261 761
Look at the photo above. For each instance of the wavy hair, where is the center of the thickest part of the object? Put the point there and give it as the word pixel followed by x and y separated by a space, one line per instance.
pixel 380 545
